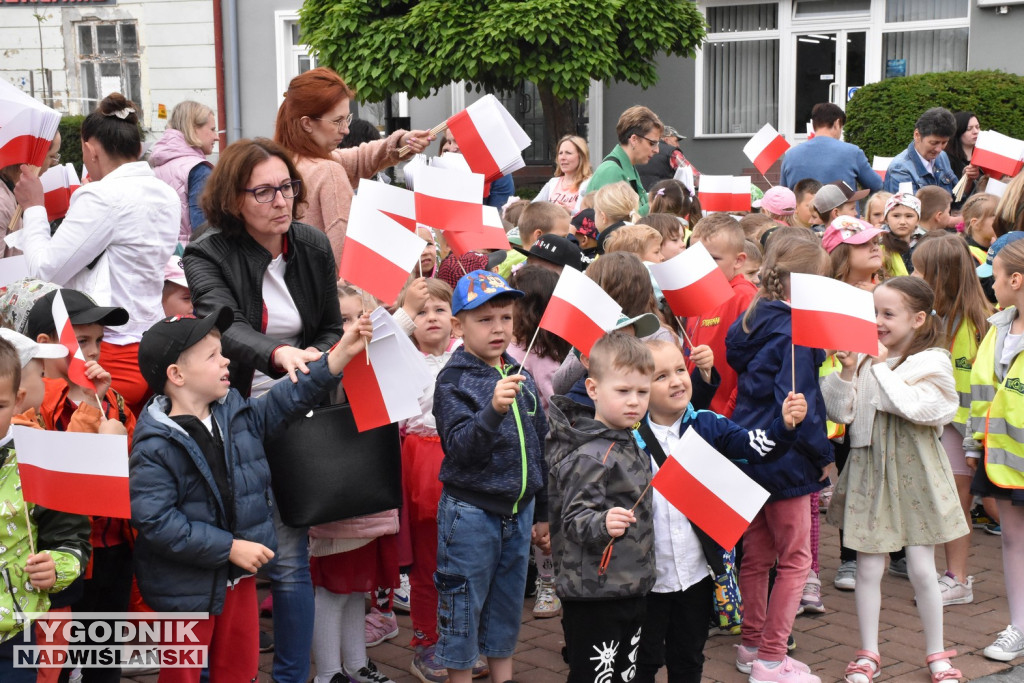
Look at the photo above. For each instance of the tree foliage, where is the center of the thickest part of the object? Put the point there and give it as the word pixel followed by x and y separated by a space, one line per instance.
pixel 386 46
pixel 881 116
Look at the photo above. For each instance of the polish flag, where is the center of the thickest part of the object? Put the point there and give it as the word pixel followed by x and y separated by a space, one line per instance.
pixel 810 130
pixel 489 138
pixel 765 148
pixel 830 314
pixel 27 127
pixel 725 193
pixel 692 282
pixel 74 472
pixel 446 199
pixel 997 154
pixel 490 235
pixel 396 203
pixel 388 388
pixel 59 183
pixel 379 252
pixel 66 332
pixel 579 311
pixel 712 492
pixel 880 165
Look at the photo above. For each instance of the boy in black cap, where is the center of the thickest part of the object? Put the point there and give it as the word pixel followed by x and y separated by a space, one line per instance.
pixel 200 483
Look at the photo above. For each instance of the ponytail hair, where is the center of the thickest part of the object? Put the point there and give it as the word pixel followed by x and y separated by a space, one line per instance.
pixel 798 251
pixel 918 296
pixel 115 125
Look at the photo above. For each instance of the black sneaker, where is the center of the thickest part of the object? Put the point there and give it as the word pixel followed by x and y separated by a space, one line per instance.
pixel 266 642
pixel 790 643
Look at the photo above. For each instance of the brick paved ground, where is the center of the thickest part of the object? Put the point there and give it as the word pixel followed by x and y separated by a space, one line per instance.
pixel 825 642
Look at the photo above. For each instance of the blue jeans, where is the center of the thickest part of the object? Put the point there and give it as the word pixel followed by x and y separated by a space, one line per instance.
pixel 480 579
pixel 292 589
pixel 9 674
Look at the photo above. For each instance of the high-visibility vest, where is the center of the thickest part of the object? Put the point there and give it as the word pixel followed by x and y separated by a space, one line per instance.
pixel 963 349
pixel 998 408
pixel 834 431
pixel 979 254
pixel 893 262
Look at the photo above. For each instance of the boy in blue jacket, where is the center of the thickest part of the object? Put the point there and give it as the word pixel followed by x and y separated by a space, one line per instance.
pixel 200 483
pixel 492 430
pixel 681 603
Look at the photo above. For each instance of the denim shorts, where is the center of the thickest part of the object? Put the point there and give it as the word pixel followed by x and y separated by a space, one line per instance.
pixel 480 579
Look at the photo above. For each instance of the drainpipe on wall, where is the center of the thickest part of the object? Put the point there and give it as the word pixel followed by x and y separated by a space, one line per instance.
pixel 218 49
pixel 229 97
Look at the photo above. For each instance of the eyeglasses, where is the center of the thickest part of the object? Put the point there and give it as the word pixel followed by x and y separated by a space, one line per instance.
pixel 338 123
pixel 652 143
pixel 55 158
pixel 264 194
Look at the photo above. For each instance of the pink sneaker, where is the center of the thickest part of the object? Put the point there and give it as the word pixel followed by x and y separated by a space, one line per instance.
pixel 380 628
pixel 744 659
pixel 786 672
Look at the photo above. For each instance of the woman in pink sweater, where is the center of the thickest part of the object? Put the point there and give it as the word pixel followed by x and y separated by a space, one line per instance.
pixel 312 120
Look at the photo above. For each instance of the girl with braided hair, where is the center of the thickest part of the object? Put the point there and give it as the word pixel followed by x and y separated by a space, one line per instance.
pixel 760 348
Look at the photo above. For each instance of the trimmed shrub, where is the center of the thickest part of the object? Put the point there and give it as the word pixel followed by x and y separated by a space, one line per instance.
pixel 881 116
pixel 71 141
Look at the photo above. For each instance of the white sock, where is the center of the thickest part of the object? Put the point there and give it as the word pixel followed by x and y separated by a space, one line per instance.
pixel 327 633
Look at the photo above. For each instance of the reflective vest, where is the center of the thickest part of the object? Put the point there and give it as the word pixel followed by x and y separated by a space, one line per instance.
pixel 963 349
pixel 979 254
pixel 834 431
pixel 893 263
pixel 998 408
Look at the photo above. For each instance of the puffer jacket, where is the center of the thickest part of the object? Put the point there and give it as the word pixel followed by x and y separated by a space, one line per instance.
pixel 172 159
pixel 181 554
pixel 593 468
pixel 229 271
pixel 763 360
pixel 491 461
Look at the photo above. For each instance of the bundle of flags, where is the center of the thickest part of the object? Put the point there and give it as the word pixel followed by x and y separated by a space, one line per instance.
pixel 489 138
pixel 27 127
pixel 59 183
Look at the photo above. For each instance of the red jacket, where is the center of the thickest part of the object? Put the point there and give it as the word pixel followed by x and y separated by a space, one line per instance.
pixel 711 329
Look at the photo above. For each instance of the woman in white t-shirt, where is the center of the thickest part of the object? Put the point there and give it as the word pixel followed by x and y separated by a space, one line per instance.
pixel 572 173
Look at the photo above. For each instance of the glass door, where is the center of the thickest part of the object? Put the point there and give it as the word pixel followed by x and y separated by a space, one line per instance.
pixel 829 68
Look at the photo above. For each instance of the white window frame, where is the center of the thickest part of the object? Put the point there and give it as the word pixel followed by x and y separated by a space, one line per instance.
pixel 285 51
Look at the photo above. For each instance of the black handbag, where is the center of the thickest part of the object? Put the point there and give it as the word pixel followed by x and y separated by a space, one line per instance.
pixel 324 469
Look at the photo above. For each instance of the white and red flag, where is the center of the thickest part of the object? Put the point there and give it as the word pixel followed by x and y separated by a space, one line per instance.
pixel 765 148
pixel 724 193
pixel 74 472
pixel 997 154
pixel 880 165
pixel 59 183
pixel 27 127
pixel 397 203
pixel 388 388
pixel 579 311
pixel 449 200
pixel 489 138
pixel 713 493
pixel 380 253
pixel 489 235
pixel 692 282
pixel 830 314
pixel 68 338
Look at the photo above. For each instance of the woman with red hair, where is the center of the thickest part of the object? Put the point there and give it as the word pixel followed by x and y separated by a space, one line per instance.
pixel 311 121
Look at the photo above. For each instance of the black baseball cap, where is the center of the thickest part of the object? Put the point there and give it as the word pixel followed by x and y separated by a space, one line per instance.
pixel 163 343
pixel 558 250
pixel 82 310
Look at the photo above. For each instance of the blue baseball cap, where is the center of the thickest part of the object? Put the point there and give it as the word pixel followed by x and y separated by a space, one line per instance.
pixel 479 287
pixel 985 269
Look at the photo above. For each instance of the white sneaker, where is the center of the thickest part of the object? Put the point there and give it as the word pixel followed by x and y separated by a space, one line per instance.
pixel 955 593
pixel 547 603
pixel 846 576
pixel 1008 646
pixel 400 599
pixel 810 601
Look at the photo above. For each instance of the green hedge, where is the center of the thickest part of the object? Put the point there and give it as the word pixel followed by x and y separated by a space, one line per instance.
pixel 881 116
pixel 71 141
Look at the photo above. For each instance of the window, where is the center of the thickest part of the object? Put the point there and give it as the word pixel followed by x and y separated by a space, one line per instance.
pixel 917 52
pixel 108 57
pixel 817 8
pixel 925 10
pixel 300 60
pixel 731 18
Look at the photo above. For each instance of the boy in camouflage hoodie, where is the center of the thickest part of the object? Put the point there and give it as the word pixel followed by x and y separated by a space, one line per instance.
pixel 597 473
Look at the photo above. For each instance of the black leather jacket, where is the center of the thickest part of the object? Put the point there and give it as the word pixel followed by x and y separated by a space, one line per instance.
pixel 229 271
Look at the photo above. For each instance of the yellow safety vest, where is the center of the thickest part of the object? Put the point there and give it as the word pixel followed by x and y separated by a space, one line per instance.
pixel 833 430
pixel 979 254
pixel 999 407
pixel 964 349
pixel 894 265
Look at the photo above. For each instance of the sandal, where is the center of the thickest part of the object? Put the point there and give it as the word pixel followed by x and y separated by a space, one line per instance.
pixel 950 674
pixel 856 667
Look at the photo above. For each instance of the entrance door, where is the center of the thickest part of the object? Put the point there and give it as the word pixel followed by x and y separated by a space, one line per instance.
pixel 829 67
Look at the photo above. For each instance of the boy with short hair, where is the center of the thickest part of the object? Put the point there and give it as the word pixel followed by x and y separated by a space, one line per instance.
pixel 935 205
pixel 837 199
pixel 724 239
pixel 597 476
pixel 61 540
pixel 200 482
pixel 805 215
pixel 681 602
pixel 538 219
pixel 492 428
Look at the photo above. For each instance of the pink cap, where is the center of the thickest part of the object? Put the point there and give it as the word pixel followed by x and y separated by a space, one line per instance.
pixel 848 230
pixel 174 272
pixel 779 200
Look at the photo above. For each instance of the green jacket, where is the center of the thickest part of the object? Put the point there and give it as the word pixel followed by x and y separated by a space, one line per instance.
pixel 615 167
pixel 64 536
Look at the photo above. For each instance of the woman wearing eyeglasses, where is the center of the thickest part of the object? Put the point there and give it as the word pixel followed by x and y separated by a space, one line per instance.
pixel 639 132
pixel 311 121
pixel 279 277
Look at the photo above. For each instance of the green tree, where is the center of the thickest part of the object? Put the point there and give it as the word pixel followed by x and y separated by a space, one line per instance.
pixel 386 46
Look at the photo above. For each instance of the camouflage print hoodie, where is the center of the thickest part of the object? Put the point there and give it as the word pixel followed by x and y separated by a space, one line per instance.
pixel 591 469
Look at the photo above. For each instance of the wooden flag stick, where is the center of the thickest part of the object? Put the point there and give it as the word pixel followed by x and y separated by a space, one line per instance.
pixel 28 527
pixel 682 328
pixel 528 348
pixel 792 372
pixel 103 413
pixel 439 128
pixel 642 494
